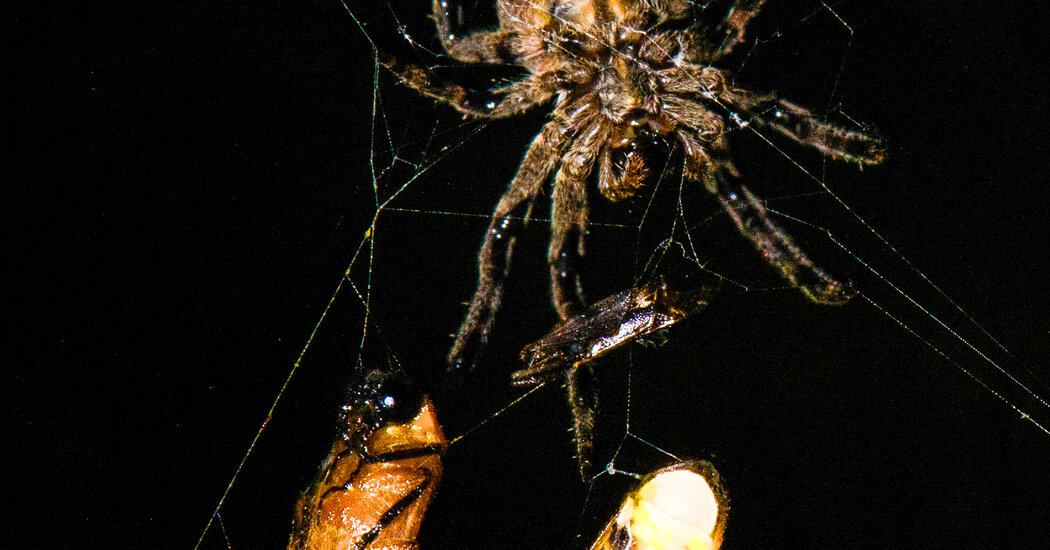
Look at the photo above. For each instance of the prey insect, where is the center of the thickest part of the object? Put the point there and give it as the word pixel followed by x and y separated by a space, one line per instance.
pixel 570 348
pixel 607 325
pixel 375 485
pixel 681 507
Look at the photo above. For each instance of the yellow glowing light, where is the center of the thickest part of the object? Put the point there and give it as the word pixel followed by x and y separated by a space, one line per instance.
pixel 675 510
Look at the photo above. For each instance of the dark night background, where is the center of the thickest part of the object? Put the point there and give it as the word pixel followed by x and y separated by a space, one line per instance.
pixel 188 181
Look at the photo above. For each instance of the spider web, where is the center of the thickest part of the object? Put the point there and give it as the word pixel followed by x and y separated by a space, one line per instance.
pixel 896 420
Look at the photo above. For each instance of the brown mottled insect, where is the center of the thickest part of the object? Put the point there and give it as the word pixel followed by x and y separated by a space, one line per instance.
pixel 626 77
pixel 373 488
pixel 681 507
pixel 608 324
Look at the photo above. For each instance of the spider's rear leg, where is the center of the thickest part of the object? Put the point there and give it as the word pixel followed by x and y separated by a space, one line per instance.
pixel 510 214
pixel 752 220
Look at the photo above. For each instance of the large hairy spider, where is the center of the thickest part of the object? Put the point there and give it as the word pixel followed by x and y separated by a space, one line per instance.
pixel 623 75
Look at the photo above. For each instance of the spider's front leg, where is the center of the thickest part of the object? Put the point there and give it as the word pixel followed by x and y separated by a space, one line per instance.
pixel 582 389
pixel 730 33
pixel 510 214
pixel 503 46
pixel 721 178
pixel 805 128
pixel 488 103
pixel 568 227
pixel 472 47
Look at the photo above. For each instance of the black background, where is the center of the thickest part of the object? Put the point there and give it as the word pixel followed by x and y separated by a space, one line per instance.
pixel 189 182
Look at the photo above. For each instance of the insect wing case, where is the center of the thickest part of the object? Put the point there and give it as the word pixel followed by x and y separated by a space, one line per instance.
pixel 374 486
pixel 607 325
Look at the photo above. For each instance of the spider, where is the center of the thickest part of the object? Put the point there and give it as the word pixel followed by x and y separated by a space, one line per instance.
pixel 624 76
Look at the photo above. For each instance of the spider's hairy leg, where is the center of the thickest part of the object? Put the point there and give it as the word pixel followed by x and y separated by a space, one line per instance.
pixel 583 400
pixel 472 47
pixel 568 227
pixel 764 111
pixel 696 122
pixel 730 33
pixel 804 127
pixel 569 217
pixel 491 103
pixel 495 255
pixel 752 220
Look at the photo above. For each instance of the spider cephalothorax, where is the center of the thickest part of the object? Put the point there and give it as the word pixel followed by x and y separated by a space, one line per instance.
pixel 622 74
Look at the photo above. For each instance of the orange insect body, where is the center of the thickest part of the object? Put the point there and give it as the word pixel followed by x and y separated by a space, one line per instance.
pixel 372 493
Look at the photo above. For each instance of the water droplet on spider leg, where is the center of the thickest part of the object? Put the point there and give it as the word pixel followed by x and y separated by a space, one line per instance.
pixel 503 226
